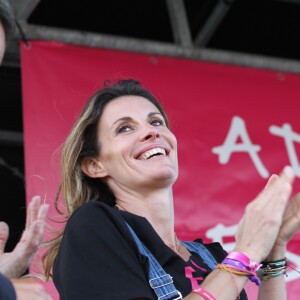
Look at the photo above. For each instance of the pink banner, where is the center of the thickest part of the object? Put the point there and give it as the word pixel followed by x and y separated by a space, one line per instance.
pixel 235 126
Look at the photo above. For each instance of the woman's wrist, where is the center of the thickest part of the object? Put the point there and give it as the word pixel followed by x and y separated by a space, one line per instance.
pixel 253 256
pixel 277 252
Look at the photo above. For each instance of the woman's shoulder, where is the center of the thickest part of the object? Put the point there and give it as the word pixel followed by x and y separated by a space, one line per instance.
pixel 93 207
pixel 94 222
pixel 92 213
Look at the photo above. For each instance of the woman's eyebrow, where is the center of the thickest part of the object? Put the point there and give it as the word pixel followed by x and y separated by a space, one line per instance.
pixel 154 113
pixel 122 119
pixel 130 118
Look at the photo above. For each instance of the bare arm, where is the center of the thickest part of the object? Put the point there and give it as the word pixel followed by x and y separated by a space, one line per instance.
pixel 275 287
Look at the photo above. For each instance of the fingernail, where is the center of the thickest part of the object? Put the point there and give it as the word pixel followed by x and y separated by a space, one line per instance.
pixel 36 198
pixel 289 171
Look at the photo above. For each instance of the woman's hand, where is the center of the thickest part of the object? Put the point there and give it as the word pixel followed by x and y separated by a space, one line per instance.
pixel 291 221
pixel 15 263
pixel 266 218
pixel 290 225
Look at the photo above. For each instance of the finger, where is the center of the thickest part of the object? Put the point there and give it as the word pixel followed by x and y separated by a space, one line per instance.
pixel 278 196
pixel 266 194
pixel 268 189
pixel 28 245
pixel 39 226
pixel 296 204
pixel 283 185
pixel 37 234
pixel 32 236
pixel 288 174
pixel 271 181
pixel 43 211
pixel 32 211
pixel 4 233
pixel 278 188
pixel 291 222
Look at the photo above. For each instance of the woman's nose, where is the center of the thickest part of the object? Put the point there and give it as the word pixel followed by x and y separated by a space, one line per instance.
pixel 149 132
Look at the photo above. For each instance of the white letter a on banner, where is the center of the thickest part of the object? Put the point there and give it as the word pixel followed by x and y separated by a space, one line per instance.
pixel 238 130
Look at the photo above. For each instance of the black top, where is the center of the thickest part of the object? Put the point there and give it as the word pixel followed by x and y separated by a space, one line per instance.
pixel 98 258
pixel 7 291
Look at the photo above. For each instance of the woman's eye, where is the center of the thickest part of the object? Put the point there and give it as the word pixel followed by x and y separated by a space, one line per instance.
pixel 124 128
pixel 157 122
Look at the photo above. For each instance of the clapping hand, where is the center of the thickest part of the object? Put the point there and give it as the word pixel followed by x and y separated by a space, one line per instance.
pixel 15 263
pixel 290 225
pixel 270 219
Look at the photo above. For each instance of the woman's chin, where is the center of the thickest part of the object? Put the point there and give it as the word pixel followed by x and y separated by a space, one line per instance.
pixel 165 178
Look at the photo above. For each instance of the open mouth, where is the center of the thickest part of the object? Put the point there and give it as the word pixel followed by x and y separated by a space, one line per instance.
pixel 152 153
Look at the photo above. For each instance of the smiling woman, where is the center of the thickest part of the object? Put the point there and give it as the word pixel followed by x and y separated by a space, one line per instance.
pixel 130 141
pixel 119 164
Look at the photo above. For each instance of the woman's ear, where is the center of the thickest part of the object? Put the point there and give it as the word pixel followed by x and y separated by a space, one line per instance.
pixel 93 168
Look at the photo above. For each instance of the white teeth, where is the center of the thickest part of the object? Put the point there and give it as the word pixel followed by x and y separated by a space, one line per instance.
pixel 152 152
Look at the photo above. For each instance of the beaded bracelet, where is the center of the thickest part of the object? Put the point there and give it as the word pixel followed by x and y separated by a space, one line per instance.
pixel 274 264
pixel 272 275
pixel 272 269
pixel 204 294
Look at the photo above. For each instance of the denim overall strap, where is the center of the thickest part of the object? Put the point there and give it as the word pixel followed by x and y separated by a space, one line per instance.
pixel 202 251
pixel 159 280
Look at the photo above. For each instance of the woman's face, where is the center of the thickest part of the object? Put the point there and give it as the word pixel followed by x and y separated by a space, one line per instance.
pixel 136 148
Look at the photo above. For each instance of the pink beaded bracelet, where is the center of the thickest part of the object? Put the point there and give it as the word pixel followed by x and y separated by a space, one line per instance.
pixel 204 294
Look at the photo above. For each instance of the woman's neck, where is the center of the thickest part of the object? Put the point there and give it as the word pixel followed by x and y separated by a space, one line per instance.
pixel 156 206
pixel 158 209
